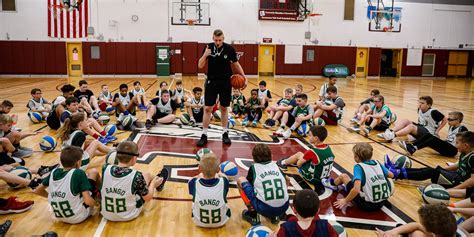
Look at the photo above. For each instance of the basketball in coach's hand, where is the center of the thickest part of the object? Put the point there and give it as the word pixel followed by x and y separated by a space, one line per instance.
pixel 237 81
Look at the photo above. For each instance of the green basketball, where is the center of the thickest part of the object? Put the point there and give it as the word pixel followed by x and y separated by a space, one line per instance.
pixel 319 121
pixel 127 121
pixel 20 171
pixel 435 194
pixel 401 161
pixel 185 118
pixel 111 158
pixel 202 152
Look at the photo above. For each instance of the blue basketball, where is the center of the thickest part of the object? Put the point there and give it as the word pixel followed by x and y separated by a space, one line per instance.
pixel 231 122
pixel 303 129
pixel 258 231
pixel 110 110
pixel 35 117
pixel 110 129
pixel 47 143
pixel 229 168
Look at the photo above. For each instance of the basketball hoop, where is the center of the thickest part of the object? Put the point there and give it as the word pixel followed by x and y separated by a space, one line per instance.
pixel 314 18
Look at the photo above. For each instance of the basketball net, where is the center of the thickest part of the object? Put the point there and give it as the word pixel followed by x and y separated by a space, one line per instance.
pixel 314 18
pixel 190 23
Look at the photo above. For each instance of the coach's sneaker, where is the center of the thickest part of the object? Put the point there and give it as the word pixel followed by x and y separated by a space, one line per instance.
pixel 388 135
pixel 387 162
pixel 280 164
pixel 409 148
pixel 46 169
pixel 279 132
pixel 251 218
pixel 165 175
pixel 14 206
pixel 355 128
pixel 287 134
pixel 5 227
pixel 245 123
pixel 225 138
pixel 202 141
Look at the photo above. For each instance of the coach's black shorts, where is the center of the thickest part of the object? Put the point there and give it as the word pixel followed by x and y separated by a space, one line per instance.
pixel 217 87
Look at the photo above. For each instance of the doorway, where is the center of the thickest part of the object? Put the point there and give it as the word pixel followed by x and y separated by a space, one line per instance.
pixel 361 62
pixel 74 59
pixel 391 63
pixel 266 60
pixel 190 58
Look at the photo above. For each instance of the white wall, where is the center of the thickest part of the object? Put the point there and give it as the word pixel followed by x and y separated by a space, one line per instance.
pixel 450 25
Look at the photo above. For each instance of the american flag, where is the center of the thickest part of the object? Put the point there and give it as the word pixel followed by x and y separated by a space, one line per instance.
pixel 67 24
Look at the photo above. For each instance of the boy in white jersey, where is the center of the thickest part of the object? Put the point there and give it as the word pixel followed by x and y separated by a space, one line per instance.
pixel 195 106
pixel 430 121
pixel 59 105
pixel 443 147
pixel 365 105
pixel 162 111
pixel 69 188
pixel 209 190
pixel 370 187
pixel 264 94
pixel 124 189
pixel 264 191
pixel 139 92
pixel 105 97
pixel 38 104
pixel 323 91
pixel 125 104
pixel 179 95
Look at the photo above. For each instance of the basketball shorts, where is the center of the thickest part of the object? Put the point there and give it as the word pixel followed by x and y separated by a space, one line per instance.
pixel 159 115
pixel 5 159
pixel 470 193
pixel 329 118
pixel 420 131
pixel 198 116
pixel 291 119
pixel 217 87
pixel 362 203
pixel 382 126
pixel 261 207
pixel 447 178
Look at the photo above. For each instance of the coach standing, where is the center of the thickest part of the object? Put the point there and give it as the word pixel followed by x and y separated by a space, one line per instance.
pixel 220 59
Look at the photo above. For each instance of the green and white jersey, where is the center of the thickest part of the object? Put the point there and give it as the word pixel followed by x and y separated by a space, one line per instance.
pixel 193 101
pixel 306 110
pixel 270 184
pixel 210 205
pixel 72 142
pixel 236 100
pixel 464 164
pixel 118 203
pixel 318 165
pixel 376 187
pixel 67 207
pixel 388 115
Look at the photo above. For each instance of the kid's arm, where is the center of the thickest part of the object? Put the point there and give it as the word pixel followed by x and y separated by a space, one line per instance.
pixel 452 167
pixel 88 199
pixel 467 183
pixel 443 123
pixel 41 191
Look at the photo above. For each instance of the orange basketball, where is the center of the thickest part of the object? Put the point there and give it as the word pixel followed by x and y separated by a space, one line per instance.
pixel 237 81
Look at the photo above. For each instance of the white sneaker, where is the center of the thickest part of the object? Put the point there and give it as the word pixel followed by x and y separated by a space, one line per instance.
pixel 279 132
pixel 353 129
pixel 388 135
pixel 120 117
pixel 380 135
pixel 286 134
pixel 354 120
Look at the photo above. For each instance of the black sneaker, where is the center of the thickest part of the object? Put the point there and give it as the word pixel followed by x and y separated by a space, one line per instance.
pixel 226 139
pixel 148 124
pixel 5 227
pixel 252 219
pixel 165 175
pixel 50 234
pixel 202 141
pixel 46 169
pixel 409 148
pixel 35 183
pixel 281 165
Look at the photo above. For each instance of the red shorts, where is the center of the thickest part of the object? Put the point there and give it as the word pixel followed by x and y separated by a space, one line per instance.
pixel 329 118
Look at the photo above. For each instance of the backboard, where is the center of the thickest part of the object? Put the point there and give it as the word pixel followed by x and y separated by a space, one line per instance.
pixel 387 19
pixel 184 12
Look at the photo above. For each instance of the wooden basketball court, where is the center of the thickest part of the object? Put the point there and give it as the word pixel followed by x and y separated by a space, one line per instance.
pixel 170 211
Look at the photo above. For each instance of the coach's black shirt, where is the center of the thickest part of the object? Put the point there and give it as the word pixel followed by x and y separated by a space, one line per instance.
pixel 86 94
pixel 218 63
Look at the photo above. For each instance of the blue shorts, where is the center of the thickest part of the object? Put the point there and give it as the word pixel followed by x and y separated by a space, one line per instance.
pixel 261 207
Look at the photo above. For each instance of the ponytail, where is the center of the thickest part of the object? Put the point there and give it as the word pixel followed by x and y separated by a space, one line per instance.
pixel 70 125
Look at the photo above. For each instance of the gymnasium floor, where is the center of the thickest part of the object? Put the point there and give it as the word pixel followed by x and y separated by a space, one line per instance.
pixel 172 147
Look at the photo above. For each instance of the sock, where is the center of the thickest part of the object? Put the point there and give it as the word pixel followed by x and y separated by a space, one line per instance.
pixel 292 128
pixel 369 128
pixel 283 162
pixel 283 127
pixel 224 130
pixel 126 112
pixel 95 136
pixel 416 148
pixel 204 131
pixel 103 133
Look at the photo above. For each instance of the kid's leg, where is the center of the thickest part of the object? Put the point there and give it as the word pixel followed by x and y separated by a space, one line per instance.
pixel 292 160
pixel 247 194
pixel 167 119
pixel 96 148
pixel 318 113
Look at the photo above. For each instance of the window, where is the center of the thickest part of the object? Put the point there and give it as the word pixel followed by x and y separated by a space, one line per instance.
pixel 95 52
pixel 8 5
pixel 349 10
